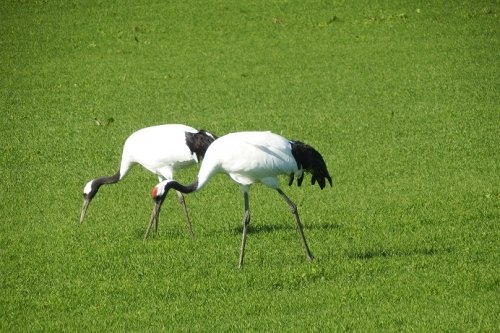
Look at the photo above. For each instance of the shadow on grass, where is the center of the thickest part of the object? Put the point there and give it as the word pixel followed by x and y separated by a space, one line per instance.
pixel 386 253
pixel 164 232
pixel 270 228
pixel 182 232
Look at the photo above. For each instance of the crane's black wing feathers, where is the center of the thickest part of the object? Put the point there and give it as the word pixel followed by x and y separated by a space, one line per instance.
pixel 198 142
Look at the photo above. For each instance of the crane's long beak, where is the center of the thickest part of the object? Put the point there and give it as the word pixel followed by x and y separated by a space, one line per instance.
pixel 85 205
pixel 156 212
pixel 158 199
pixel 154 217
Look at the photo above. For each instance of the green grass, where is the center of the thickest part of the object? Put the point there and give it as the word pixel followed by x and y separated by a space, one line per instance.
pixel 401 98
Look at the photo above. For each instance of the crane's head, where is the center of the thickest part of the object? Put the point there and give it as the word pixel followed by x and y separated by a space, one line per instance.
pixel 91 188
pixel 160 190
pixel 89 191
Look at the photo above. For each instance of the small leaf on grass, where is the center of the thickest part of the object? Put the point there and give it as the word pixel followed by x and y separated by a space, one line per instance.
pixel 108 121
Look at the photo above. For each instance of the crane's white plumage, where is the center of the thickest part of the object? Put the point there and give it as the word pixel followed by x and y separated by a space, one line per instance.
pixel 254 157
pixel 161 149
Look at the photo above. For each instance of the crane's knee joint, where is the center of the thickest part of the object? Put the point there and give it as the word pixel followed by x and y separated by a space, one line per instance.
pixel 246 219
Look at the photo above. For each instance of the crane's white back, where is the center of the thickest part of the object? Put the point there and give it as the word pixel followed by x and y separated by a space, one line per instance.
pixel 160 149
pixel 249 157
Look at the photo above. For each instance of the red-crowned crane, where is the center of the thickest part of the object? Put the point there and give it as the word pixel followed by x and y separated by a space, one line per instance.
pixel 161 149
pixel 254 157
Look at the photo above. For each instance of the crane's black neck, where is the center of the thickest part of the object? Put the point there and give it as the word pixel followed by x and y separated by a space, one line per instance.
pixel 186 189
pixel 107 180
pixel 182 188
pixel 98 182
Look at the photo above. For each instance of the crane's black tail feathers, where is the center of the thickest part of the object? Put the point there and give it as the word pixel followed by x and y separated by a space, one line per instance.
pixel 311 161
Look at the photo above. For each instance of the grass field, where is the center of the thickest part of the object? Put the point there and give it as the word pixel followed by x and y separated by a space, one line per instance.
pixel 400 97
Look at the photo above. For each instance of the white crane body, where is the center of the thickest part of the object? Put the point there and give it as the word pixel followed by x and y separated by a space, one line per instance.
pixel 249 157
pixel 158 150
pixel 254 157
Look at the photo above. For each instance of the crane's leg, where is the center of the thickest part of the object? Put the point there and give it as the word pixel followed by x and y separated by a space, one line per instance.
pixel 293 209
pixel 182 202
pixel 246 222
